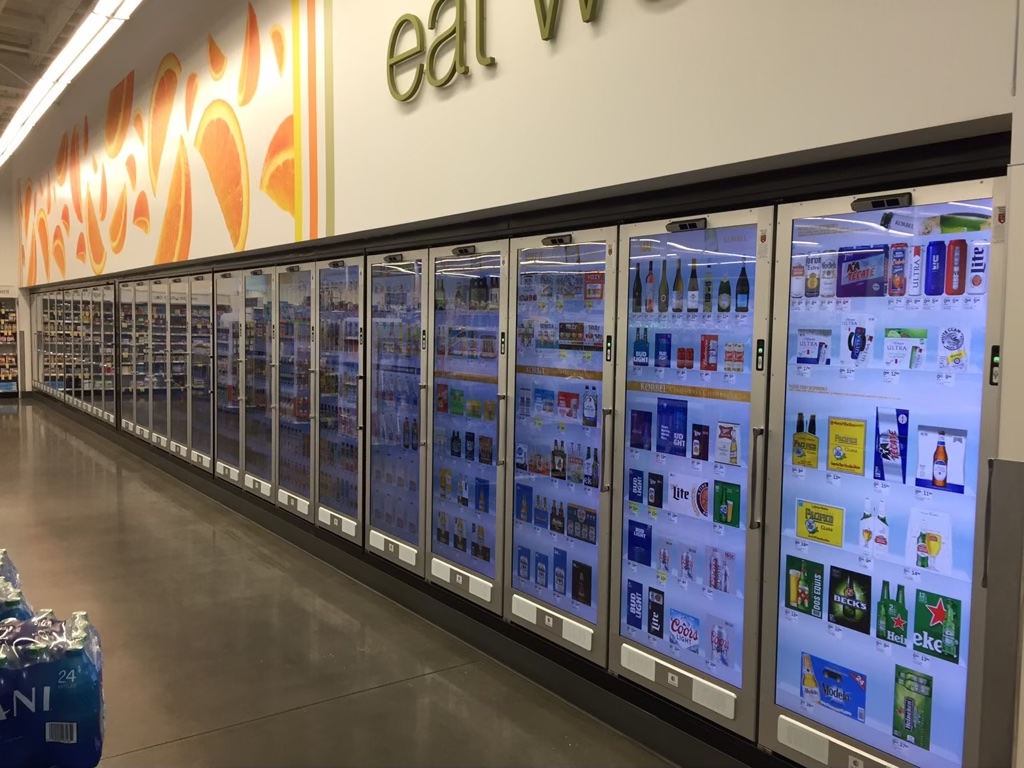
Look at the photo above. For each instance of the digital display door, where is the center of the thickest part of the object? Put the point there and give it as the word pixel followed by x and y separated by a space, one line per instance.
pixel 294 389
pixel 229 307
pixel 201 379
pixel 259 404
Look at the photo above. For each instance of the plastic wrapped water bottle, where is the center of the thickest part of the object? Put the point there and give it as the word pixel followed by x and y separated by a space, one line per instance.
pixel 12 603
pixel 7 570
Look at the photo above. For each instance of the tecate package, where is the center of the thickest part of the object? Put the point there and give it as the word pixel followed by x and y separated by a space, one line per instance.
pixel 7 570
pixel 891 444
pixel 51 693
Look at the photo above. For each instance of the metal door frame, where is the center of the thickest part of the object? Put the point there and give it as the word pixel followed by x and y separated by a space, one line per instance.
pixel 561 627
pixel 398 551
pixel 688 685
pixel 450 575
pixel 774 719
pixel 327 518
pixel 283 498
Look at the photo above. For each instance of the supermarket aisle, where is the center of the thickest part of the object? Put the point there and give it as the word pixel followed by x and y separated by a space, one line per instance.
pixel 225 646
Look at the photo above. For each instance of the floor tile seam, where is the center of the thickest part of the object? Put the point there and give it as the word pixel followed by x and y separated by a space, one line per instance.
pixel 298 708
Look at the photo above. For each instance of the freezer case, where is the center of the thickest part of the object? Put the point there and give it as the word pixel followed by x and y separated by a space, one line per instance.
pixel 258 363
pixel 340 393
pixel 296 372
pixel 557 533
pixel 229 306
pixel 469 412
pixel 201 367
pixel 883 413
pixel 694 305
pixel 397 475
pixel 178 367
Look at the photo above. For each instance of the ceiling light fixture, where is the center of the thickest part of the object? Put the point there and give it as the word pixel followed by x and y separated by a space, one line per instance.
pixel 92 34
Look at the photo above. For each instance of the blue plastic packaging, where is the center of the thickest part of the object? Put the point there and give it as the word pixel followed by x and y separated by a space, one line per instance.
pixel 7 570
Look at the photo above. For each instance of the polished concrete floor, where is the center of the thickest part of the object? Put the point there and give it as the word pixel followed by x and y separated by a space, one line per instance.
pixel 226 646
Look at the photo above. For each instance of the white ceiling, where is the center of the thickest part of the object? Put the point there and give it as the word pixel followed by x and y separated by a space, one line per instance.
pixel 31 34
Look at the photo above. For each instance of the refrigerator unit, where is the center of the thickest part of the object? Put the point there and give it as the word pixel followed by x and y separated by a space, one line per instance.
pixel 468 419
pixel 883 411
pixel 200 371
pixel 178 367
pixel 694 306
pixel 258 446
pixel 159 334
pixel 230 314
pixel 108 346
pixel 8 344
pixel 126 356
pixel 296 374
pixel 143 361
pixel 560 439
pixel 341 398
pixel 398 357
pixel 73 331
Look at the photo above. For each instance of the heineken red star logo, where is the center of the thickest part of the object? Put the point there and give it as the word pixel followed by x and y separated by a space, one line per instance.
pixel 899 622
pixel 938 612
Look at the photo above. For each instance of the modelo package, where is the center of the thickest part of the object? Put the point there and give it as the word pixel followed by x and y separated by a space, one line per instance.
pixel 863 271
pixel 672 436
pixel 51 693
pixel 941 454
pixel 833 686
pixel 891 444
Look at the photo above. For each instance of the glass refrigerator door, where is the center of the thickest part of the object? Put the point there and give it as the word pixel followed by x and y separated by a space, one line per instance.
pixel 340 395
pixel 259 382
pixel 159 359
pixel 558 553
pixel 294 389
pixel 397 463
pixel 143 379
pixel 96 356
pixel 108 352
pixel 8 346
pixel 880 437
pixel 126 337
pixel 74 326
pixel 693 388
pixel 83 315
pixel 178 373
pixel 230 308
pixel 468 388
pixel 201 371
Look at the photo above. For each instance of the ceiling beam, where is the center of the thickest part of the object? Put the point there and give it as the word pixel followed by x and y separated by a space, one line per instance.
pixel 57 21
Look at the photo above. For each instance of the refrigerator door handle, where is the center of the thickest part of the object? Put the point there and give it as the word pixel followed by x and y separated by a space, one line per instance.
pixel 988 524
pixel 359 402
pixel 423 401
pixel 502 425
pixel 605 413
pixel 754 513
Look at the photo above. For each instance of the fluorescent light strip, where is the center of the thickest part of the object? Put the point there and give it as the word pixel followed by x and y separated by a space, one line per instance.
pixel 96 29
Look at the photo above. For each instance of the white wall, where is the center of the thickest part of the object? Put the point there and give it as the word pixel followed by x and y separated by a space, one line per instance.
pixel 653 88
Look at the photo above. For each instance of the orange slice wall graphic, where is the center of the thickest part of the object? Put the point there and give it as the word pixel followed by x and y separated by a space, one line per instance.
pixel 26 209
pixel 176 230
pixel 80 248
pixel 164 89
pixel 219 141
pixel 218 61
pixel 75 174
pixel 129 166
pixel 119 114
pixel 249 77
pixel 119 222
pixel 65 218
pixel 277 180
pixel 58 250
pixel 85 135
pixel 32 268
pixel 277 40
pixel 191 88
pixel 61 165
pixel 94 239
pixel 44 241
pixel 103 194
pixel 140 127
pixel 140 216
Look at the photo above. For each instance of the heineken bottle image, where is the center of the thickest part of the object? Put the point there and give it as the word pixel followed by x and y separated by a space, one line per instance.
pixel 892 619
pixel 937 626
pixel 912 707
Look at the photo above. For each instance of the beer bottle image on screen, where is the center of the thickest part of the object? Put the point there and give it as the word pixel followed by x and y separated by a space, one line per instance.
pixel 663 288
pixel 912 707
pixel 724 295
pixel 678 295
pixel 638 292
pixel 693 289
pixel 743 291
pixel 956 267
pixel 809 692
pixel 940 462
pixel 708 290
pixel 935 268
pixel 641 349
pixel 649 291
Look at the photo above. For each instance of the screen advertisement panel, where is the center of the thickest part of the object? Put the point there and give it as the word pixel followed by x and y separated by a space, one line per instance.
pixel 885 370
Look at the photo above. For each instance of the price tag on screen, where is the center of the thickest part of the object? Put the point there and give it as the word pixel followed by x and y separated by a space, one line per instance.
pixel 914 303
pixel 834 630
pixel 846 372
pixel 798 473
pixel 945 379
pixel 812 305
pixel 833 478
pixel 719 529
pixel 890 377
pixel 697 466
pixel 562 355
pixel 635 453
pixel 883 647
pixel 659 373
pixel 719 470
pixel 571 487
pixel 538 423
pixel 681 374
pixel 708 593
pixel 912 574
pixel 791 615
pixel 542 305
pixel 673 517
pixel 881 487
pixel 707 318
pixel 973 302
pixel 652 512
pixel 801 547
pixel 843 305
pixel 561 427
pixel 560 305
pixel 923 494
pixel 896 302
pixel 730 378
pixel 797 305
pixel 828 305
pixel 588 356
pixel 632 567
pixel 922 660
pixel 634 508
pixel 660 458
pixel 866 562
pixel 951 302
pixel 930 302
pixel 705 376
pixel 803 370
